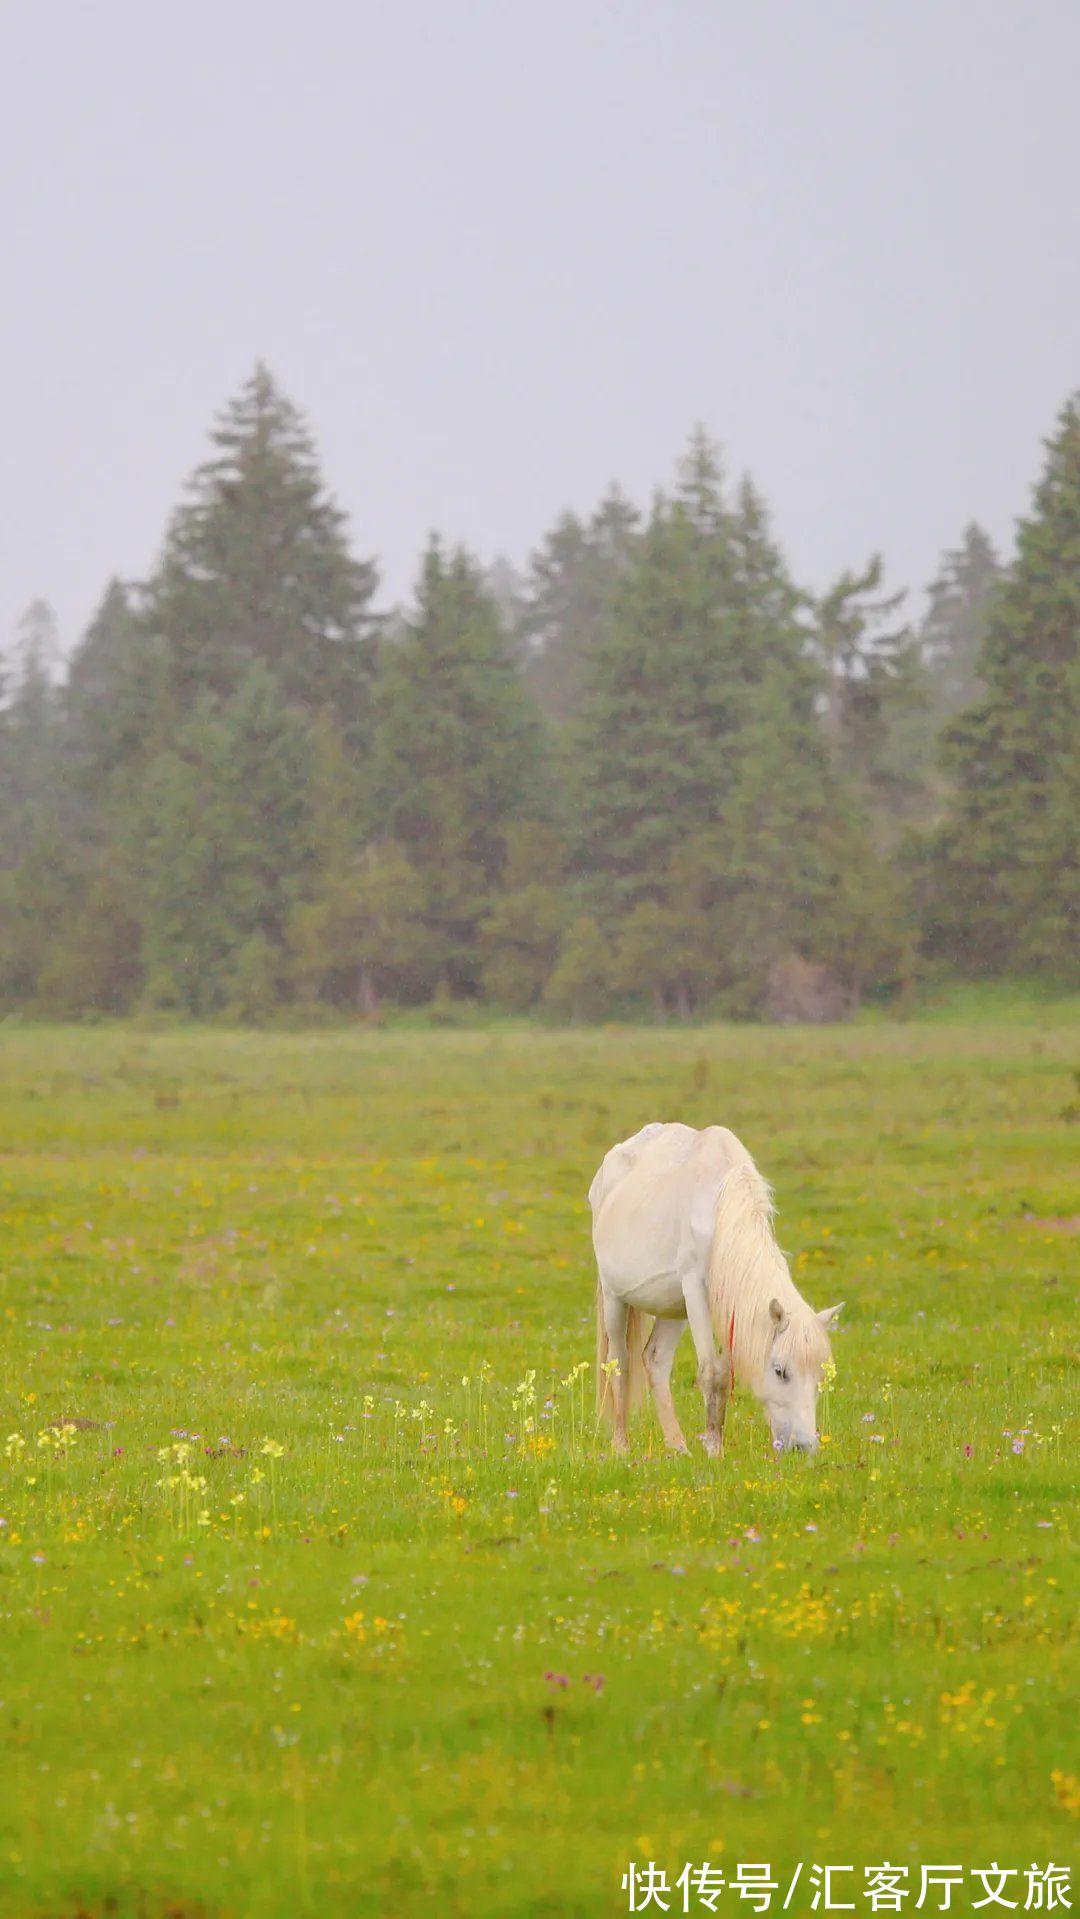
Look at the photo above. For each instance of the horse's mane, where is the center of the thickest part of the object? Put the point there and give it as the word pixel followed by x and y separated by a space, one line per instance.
pixel 747 1271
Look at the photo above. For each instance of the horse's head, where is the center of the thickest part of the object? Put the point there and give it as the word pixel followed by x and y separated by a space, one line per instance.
pixel 795 1359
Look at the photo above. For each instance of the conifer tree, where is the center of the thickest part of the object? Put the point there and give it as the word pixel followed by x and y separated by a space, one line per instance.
pixel 458 757
pixel 955 622
pixel 705 638
pixel 112 703
pixel 877 700
pixel 256 568
pixel 31 739
pixel 568 596
pixel 658 701
pixel 1007 892
pixel 36 856
pixel 220 846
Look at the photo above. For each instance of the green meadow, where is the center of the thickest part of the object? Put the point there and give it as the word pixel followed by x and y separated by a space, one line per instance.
pixel 319 1592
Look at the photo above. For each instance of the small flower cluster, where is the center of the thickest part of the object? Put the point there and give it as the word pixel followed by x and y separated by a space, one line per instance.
pixel 560 1681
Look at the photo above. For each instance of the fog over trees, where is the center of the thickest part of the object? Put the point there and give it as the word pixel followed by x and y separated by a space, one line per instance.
pixel 646 773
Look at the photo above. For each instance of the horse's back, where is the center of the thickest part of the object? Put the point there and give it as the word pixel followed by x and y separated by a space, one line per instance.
pixel 659 1141
pixel 655 1194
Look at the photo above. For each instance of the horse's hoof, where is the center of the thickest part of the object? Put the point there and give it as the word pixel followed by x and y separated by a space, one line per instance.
pixel 713 1446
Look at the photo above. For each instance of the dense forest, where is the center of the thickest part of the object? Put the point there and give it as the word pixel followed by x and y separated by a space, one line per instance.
pixel 651 774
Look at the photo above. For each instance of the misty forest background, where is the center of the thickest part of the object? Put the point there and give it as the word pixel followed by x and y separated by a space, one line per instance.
pixel 649 776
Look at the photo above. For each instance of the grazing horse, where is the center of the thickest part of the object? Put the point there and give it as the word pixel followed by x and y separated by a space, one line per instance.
pixel 682 1228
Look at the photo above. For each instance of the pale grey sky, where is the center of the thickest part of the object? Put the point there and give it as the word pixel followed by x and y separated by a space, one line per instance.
pixel 501 254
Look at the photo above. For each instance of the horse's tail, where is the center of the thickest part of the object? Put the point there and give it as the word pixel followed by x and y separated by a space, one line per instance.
pixel 637 1333
pixel 744 1258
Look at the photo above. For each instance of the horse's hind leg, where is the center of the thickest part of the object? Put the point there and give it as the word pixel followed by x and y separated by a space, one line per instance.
pixel 658 1356
pixel 615 1319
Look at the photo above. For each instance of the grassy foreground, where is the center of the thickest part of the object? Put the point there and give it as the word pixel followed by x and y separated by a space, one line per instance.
pixel 332 1603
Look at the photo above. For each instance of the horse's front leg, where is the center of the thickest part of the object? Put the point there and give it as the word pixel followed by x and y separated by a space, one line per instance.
pixel 714 1372
pixel 658 1356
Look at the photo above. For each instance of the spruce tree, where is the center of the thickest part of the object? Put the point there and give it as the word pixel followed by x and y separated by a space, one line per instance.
pixel 220 846
pixel 112 701
pixel 567 598
pixel 877 705
pixel 952 630
pixel 707 788
pixel 705 637
pixel 37 859
pixel 1007 891
pixel 458 756
pixel 31 741
pixel 257 569
pixel 657 704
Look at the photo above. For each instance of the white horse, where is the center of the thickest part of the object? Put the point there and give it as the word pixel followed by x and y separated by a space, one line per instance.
pixel 682 1228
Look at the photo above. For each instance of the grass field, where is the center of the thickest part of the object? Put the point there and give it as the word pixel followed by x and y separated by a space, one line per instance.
pixel 332 1602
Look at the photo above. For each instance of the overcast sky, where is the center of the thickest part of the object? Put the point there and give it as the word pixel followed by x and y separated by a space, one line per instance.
pixel 502 252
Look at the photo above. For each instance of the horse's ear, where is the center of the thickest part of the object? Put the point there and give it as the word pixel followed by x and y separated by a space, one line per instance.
pixel 830 1314
pixel 776 1312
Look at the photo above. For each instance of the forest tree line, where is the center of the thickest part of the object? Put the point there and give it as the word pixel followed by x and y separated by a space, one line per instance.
pixel 648 774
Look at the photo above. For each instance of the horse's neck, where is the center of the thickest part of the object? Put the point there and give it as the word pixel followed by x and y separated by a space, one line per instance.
pixel 749 1318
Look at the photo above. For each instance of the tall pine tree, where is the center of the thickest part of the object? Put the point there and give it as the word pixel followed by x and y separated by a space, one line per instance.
pixel 658 701
pixel 36 856
pixel 113 700
pixel 257 569
pixel 706 789
pixel 458 755
pixel 952 631
pixel 220 845
pixel 705 632
pixel 567 598
pixel 877 701
pixel 1007 896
